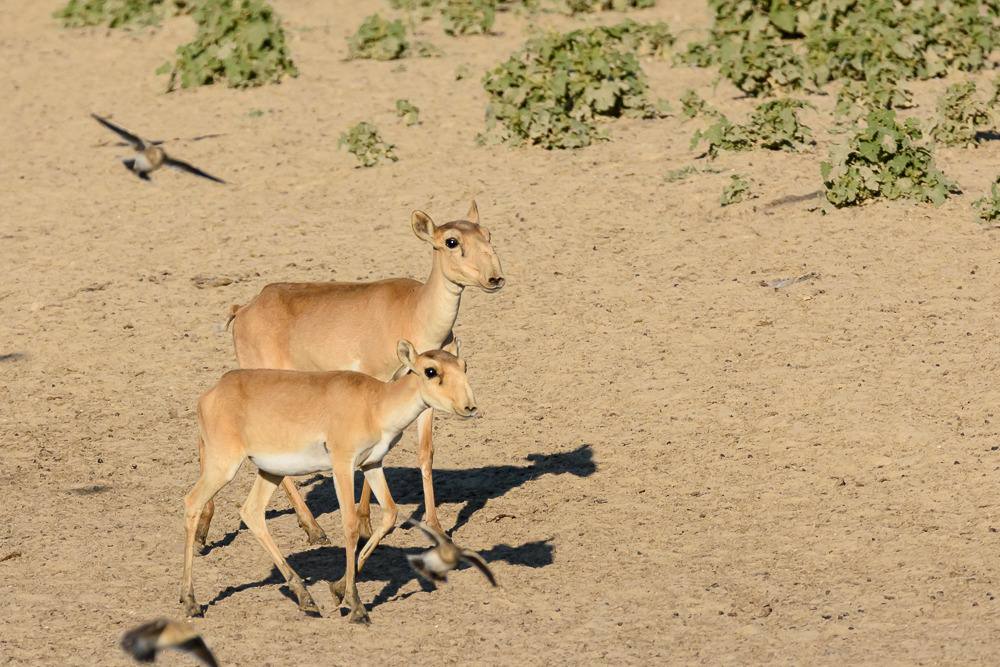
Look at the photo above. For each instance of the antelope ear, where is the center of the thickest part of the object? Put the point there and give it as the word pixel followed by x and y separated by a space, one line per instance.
pixel 407 355
pixel 473 214
pixel 422 226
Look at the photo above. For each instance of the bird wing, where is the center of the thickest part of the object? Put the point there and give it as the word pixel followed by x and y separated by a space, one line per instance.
pixel 191 169
pixel 434 536
pixel 196 646
pixel 146 640
pixel 136 142
pixel 477 561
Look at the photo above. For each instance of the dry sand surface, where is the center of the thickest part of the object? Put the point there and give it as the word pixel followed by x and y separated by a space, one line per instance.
pixel 677 464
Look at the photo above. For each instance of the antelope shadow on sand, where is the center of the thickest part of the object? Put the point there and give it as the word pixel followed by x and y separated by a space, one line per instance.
pixel 474 487
pixel 387 563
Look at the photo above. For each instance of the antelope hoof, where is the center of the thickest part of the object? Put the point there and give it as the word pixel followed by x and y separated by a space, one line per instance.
pixel 364 526
pixel 338 588
pixel 200 547
pixel 316 535
pixel 359 615
pixel 306 602
pixel 191 607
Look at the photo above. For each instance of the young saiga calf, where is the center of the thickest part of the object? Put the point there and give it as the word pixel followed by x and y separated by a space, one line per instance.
pixel 354 326
pixel 297 423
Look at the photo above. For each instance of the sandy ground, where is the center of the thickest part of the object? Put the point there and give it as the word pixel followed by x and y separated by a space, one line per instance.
pixel 677 464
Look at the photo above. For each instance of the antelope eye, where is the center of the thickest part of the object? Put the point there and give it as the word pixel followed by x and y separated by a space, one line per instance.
pixel 430 372
pixel 452 242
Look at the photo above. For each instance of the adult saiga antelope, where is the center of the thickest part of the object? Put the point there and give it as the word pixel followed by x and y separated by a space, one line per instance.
pixel 295 423
pixel 354 326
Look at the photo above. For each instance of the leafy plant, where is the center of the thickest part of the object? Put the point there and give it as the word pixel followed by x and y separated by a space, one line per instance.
pixel 959 116
pixel 240 42
pixel 765 45
pixel 364 142
pixel 883 160
pixel 583 6
pixel 774 125
pixel 736 191
pixel 408 111
pixel 723 135
pixel 675 175
pixel 857 98
pixel 379 39
pixel 552 91
pixel 988 207
pixel 461 17
pixel 118 13
pixel 692 104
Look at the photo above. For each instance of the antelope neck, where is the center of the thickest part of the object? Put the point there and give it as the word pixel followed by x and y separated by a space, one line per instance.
pixel 437 306
pixel 399 404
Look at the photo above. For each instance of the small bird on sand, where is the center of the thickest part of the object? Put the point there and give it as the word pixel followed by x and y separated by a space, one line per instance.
pixel 435 563
pixel 150 156
pixel 145 641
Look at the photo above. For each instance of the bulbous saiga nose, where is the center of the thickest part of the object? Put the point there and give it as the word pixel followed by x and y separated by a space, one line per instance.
pixel 497 282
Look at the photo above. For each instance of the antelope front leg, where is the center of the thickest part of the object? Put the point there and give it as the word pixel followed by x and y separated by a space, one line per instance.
pixel 376 479
pixel 346 588
pixel 425 430
pixel 306 519
pixel 365 511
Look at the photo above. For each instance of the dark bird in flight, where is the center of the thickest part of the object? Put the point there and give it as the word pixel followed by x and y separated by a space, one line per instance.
pixel 145 641
pixel 435 563
pixel 149 156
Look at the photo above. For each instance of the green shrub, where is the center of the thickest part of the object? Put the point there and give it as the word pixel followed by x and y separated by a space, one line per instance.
pixel 240 42
pixel 675 175
pixel 736 191
pixel 408 111
pixel 774 125
pixel 692 104
pixel 856 98
pixel 882 160
pixel 461 17
pixel 552 91
pixel 764 45
pixel 118 13
pixel 379 39
pixel 988 207
pixel 959 116
pixel 583 6
pixel 364 142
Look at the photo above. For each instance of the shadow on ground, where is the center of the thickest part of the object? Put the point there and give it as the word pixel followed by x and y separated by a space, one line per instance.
pixel 387 564
pixel 472 486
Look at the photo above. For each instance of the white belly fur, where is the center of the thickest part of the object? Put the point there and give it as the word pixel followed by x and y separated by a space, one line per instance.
pixel 378 452
pixel 313 458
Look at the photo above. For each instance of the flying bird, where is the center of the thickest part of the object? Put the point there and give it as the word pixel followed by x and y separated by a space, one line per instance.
pixel 150 156
pixel 145 641
pixel 435 563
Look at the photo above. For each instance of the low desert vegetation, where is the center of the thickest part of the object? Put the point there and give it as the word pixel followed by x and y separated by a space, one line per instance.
pixel 988 206
pixel 764 47
pixel 774 125
pixel 554 90
pixel 408 111
pixel 239 42
pixel 366 144
pixel 378 38
pixel 960 116
pixel 738 189
pixel 119 13
pixel 884 159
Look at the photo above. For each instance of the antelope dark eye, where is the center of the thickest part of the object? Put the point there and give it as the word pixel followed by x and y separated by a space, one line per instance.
pixel 451 243
pixel 430 372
